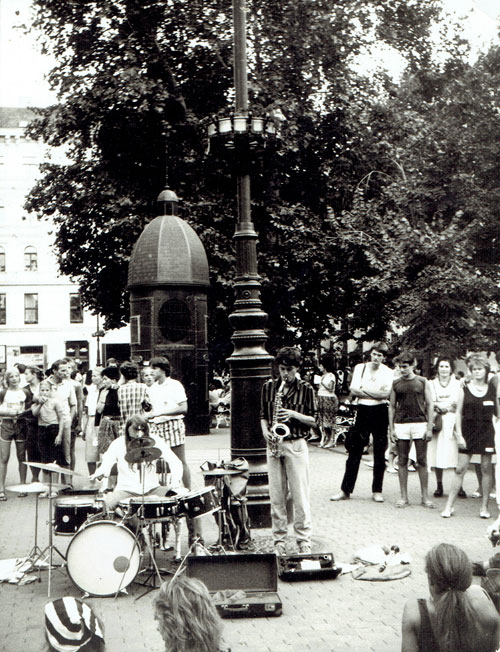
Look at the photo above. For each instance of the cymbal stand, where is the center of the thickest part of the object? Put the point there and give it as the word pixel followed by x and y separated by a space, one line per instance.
pixel 143 528
pixel 36 552
pixel 51 548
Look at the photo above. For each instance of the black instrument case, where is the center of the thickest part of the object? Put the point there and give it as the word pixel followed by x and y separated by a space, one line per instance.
pixel 310 566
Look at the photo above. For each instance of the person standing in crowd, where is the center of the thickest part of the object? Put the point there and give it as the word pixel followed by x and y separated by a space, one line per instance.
pixel 91 394
pixel 132 395
pixel 411 413
pixel 136 479
pixel 22 374
pixel 33 377
pixel 442 450
pixel 288 467
pixel 187 618
pixel 107 409
pixel 50 418
pixel 458 616
pixel 148 377
pixel 476 408
pixel 12 405
pixel 328 402
pixel 370 385
pixel 169 405
pixel 64 392
pixel 76 421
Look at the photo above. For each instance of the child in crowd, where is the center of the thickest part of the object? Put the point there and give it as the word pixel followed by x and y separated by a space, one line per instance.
pixel 50 418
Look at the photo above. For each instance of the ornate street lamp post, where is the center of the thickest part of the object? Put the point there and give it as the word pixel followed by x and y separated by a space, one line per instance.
pixel 242 133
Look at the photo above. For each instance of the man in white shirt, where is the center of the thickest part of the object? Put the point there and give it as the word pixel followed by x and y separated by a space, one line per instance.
pixel 64 392
pixel 169 405
pixel 371 383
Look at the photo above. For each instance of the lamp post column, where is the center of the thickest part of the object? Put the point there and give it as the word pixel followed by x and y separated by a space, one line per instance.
pixel 250 364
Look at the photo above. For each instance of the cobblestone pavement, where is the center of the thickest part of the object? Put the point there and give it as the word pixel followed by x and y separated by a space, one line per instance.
pixel 337 615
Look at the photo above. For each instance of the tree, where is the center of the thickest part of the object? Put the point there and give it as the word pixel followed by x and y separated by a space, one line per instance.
pixel 136 80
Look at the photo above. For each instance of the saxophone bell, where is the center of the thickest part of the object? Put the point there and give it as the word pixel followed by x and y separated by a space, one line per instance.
pixel 278 430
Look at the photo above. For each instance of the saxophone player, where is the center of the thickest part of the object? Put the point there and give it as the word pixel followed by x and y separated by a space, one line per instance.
pixel 288 461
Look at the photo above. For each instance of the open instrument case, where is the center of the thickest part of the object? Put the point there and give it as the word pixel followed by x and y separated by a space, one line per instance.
pixel 255 575
pixel 310 566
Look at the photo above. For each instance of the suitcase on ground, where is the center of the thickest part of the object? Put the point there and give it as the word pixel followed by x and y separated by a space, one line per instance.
pixel 310 566
pixel 255 575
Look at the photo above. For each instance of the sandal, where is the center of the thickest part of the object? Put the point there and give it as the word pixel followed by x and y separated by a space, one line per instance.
pixel 428 503
pixel 447 514
pixel 484 514
pixel 3 497
pixel 402 503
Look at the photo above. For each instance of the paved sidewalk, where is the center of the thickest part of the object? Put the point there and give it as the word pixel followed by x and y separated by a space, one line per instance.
pixel 338 615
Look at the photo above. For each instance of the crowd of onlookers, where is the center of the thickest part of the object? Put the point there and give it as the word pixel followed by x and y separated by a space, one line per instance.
pixel 44 411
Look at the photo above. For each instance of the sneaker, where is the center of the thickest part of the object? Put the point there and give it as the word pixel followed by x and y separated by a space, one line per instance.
pixel 280 549
pixel 391 469
pixel 377 497
pixel 476 494
pixel 340 496
pixel 304 549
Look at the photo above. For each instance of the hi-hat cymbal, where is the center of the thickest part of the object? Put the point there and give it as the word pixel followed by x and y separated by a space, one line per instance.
pixel 143 455
pixel 54 468
pixel 220 472
pixel 35 487
pixel 141 442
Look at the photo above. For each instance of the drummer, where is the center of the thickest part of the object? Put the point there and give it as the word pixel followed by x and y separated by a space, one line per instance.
pixel 137 479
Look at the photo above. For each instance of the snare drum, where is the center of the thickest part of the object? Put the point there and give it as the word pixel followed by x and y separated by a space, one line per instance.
pixel 103 557
pixel 155 507
pixel 71 513
pixel 199 503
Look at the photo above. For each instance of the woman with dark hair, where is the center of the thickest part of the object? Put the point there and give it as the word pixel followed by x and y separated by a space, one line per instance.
pixel 107 413
pixel 328 403
pixel 457 617
pixel 476 408
pixel 187 618
pixel 136 479
pixel 33 376
pixel 442 450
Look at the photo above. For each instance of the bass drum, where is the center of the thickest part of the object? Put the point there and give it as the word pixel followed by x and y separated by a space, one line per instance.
pixel 103 558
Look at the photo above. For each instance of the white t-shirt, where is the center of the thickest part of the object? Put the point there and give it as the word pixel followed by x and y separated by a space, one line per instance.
pixel 364 378
pixel 166 396
pixel 64 392
pixel 327 385
pixel 14 399
pixel 129 477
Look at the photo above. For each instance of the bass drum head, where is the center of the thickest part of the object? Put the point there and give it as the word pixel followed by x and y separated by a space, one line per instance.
pixel 103 558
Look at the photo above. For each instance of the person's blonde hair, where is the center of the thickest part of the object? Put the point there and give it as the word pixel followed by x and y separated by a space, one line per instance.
pixel 187 618
pixel 450 572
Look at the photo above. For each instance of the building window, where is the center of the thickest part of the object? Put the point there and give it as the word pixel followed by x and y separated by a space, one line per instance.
pixel 30 259
pixel 2 259
pixel 174 320
pixel 135 329
pixel 31 308
pixel 75 308
pixel 3 309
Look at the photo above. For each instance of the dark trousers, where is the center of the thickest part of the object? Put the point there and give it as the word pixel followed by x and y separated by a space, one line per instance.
pixel 370 420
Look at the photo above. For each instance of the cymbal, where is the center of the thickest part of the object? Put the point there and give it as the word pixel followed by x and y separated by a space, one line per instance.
pixel 141 442
pixel 35 487
pixel 143 455
pixel 54 468
pixel 221 472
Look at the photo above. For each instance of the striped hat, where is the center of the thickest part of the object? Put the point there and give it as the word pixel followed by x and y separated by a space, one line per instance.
pixel 72 626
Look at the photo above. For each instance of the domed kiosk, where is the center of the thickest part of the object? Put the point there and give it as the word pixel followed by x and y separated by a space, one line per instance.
pixel 168 281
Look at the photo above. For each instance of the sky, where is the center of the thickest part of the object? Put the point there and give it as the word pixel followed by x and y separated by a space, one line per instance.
pixel 22 68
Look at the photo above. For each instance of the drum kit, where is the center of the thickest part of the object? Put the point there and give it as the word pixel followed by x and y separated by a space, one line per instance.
pixel 104 555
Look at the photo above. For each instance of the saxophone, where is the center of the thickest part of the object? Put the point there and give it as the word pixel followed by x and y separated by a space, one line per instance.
pixel 278 430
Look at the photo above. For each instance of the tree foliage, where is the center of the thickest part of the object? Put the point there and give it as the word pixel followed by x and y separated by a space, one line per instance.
pixel 354 210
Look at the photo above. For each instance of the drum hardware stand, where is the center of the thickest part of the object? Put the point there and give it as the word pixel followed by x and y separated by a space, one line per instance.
pixel 222 522
pixel 51 548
